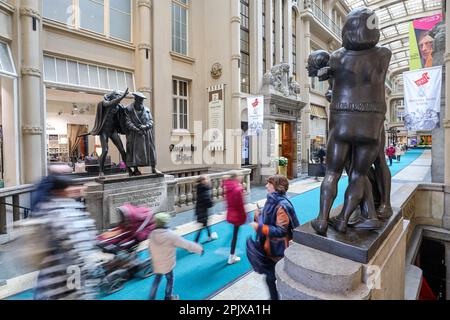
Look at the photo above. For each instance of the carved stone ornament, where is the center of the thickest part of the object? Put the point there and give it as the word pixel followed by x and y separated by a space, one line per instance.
pixel 145 3
pixel 216 70
pixel 31 130
pixel 25 11
pixel 33 72
pixel 278 80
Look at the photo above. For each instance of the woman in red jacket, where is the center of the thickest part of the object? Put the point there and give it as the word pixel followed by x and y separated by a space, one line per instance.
pixel 236 215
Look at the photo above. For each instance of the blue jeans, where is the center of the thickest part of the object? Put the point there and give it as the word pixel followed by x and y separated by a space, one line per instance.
pixel 169 286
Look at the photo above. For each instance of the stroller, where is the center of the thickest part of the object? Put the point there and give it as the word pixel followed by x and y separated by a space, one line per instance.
pixel 122 243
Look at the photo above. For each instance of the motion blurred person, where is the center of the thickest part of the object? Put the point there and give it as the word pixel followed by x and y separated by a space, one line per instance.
pixel 204 202
pixel 67 271
pixel 236 215
pixel 274 226
pixel 163 244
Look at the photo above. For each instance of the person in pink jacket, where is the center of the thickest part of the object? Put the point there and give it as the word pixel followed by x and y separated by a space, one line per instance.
pixel 163 244
pixel 236 215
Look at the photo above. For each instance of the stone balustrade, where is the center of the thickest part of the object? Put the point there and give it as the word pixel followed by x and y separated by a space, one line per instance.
pixel 185 195
pixel 14 206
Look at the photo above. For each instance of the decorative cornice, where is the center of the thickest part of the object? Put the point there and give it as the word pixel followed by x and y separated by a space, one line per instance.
pixel 30 12
pixel 145 3
pixel 144 46
pixel 7 7
pixel 182 58
pixel 32 130
pixel 236 19
pixel 32 72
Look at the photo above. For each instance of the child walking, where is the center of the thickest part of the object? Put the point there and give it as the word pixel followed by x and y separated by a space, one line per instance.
pixel 163 243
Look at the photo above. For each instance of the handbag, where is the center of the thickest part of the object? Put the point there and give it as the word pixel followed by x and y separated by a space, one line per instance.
pixel 257 257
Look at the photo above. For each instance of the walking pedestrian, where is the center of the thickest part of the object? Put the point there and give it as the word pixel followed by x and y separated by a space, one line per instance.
pixel 68 236
pixel 204 202
pixel 398 152
pixel 274 227
pixel 163 243
pixel 390 152
pixel 236 215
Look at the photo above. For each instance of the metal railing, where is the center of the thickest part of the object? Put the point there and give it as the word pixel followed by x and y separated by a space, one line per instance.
pixel 324 18
pixel 13 204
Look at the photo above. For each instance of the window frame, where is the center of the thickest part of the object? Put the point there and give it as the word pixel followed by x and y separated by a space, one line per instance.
pixel 11 59
pixel 76 20
pixel 245 88
pixel 185 6
pixel 177 97
pixel 56 82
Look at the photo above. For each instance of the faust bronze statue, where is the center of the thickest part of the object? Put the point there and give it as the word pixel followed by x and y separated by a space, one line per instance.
pixel 141 150
pixel 110 114
pixel 357 75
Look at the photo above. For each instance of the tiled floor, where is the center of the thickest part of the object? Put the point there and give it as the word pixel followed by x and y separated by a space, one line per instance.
pixel 253 286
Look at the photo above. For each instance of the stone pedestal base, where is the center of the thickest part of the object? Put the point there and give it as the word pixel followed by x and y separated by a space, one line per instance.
pixel 156 191
pixel 307 273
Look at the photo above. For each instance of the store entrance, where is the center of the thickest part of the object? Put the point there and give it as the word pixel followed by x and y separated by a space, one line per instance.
pixel 286 142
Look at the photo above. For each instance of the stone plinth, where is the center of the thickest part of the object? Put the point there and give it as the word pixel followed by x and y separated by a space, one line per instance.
pixel 357 245
pixel 156 191
pixel 311 274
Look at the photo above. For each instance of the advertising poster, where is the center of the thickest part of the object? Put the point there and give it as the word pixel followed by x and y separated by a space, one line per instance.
pixel 216 117
pixel 422 98
pixel 255 106
pixel 427 42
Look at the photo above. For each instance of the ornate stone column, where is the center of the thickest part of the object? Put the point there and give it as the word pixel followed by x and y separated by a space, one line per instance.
pixel 278 31
pixel 256 46
pixel 304 80
pixel 288 34
pixel 234 117
pixel 269 34
pixel 144 49
pixel 32 110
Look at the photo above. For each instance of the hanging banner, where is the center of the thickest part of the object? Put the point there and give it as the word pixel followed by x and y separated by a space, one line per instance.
pixel 426 42
pixel 422 98
pixel 216 117
pixel 255 108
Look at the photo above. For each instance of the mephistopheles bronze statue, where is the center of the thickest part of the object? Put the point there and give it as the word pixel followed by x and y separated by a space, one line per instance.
pixel 141 151
pixel 357 112
pixel 108 125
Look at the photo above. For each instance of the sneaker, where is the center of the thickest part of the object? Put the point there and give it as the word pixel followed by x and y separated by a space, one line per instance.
pixel 233 259
pixel 213 236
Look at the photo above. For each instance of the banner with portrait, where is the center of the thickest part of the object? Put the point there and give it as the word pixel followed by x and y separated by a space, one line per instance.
pixel 216 117
pixel 255 108
pixel 422 98
pixel 427 42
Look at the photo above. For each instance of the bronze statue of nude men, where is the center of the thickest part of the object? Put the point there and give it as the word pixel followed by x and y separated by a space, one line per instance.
pixel 357 112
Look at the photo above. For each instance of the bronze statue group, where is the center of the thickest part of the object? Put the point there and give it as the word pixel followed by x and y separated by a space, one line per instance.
pixel 135 121
pixel 356 74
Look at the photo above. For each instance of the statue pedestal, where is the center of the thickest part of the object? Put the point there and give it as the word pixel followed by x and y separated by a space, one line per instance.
pixel 156 191
pixel 312 274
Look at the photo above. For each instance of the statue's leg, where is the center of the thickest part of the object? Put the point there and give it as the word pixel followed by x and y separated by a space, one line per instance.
pixel 337 155
pixel 104 142
pixel 383 179
pixel 118 143
pixel 359 186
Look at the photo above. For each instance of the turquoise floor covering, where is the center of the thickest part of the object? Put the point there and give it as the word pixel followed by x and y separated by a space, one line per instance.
pixel 199 277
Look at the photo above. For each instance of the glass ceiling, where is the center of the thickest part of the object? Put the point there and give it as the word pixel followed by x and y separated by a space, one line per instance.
pixel 394 16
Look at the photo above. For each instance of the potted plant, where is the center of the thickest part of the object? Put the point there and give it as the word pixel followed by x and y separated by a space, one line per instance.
pixel 282 166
